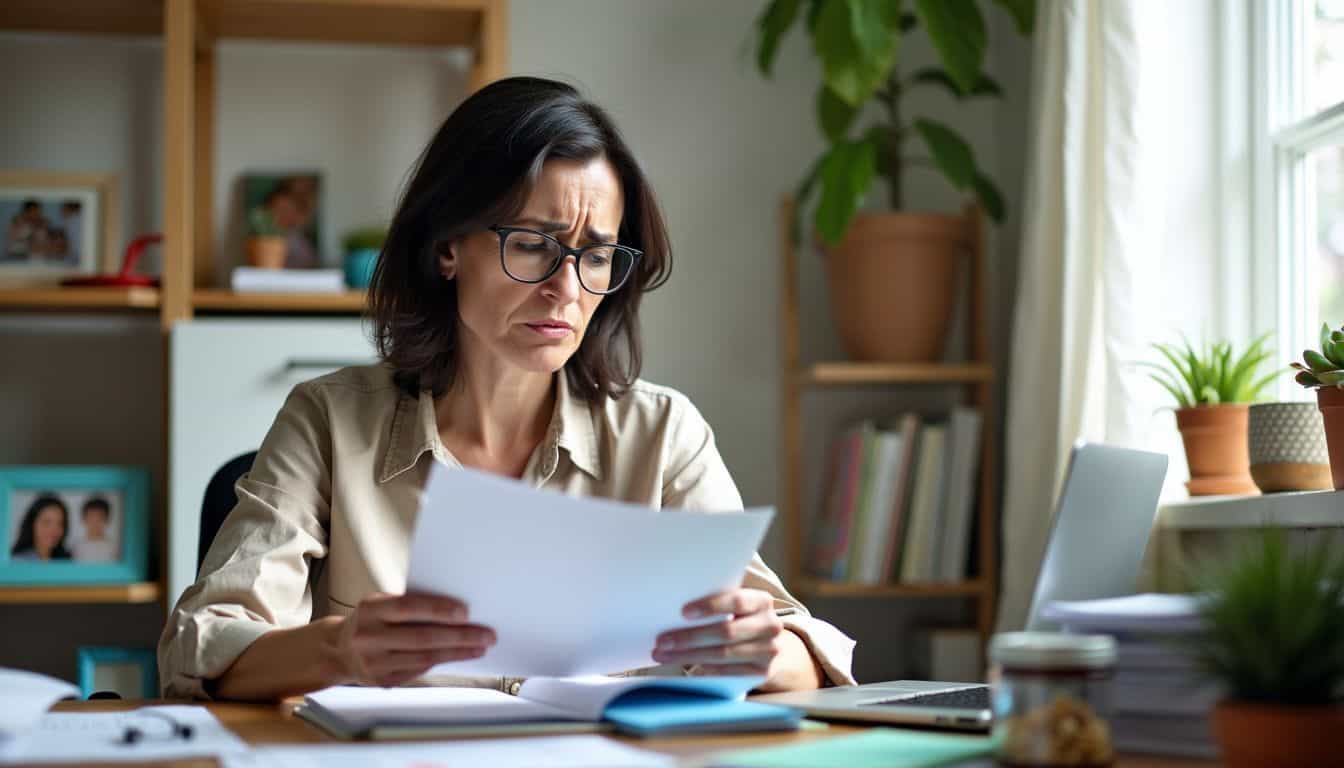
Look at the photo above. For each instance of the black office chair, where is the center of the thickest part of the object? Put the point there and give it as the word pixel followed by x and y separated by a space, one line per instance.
pixel 220 499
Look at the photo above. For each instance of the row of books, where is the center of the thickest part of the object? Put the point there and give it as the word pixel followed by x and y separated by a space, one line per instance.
pixel 898 501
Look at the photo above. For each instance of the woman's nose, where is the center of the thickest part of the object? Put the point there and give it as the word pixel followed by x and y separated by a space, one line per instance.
pixel 563 286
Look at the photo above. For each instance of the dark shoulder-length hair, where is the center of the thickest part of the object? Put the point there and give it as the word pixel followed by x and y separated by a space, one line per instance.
pixel 27 541
pixel 477 172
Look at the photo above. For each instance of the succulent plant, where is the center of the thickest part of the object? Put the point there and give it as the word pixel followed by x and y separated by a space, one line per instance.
pixel 1274 622
pixel 1324 368
pixel 1212 377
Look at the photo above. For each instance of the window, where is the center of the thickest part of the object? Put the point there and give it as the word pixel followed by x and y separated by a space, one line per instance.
pixel 1300 137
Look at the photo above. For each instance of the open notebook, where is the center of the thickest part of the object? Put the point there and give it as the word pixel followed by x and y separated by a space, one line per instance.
pixel 642 706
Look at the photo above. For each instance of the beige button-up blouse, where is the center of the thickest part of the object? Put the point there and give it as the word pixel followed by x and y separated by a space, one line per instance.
pixel 324 517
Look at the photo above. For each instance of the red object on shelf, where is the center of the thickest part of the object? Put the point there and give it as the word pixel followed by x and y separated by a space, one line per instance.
pixel 124 278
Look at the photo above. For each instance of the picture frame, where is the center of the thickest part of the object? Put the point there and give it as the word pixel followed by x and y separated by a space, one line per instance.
pixel 132 673
pixel 55 224
pixel 284 206
pixel 73 525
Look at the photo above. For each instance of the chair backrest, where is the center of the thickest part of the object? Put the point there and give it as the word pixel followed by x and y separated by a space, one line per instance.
pixel 220 499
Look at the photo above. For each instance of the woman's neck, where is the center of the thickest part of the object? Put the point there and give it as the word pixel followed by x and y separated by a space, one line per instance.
pixel 493 417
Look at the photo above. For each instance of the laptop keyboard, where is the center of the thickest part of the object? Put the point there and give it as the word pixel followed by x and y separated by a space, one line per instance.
pixel 965 698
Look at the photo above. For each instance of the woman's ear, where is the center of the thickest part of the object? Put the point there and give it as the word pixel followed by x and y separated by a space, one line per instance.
pixel 446 250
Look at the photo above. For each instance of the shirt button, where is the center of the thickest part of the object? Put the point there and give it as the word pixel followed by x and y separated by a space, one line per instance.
pixel 514 687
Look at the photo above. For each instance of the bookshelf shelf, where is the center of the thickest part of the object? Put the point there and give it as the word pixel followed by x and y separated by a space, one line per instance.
pixel 228 301
pixel 974 377
pixel 855 589
pixel 75 299
pixel 824 374
pixel 139 592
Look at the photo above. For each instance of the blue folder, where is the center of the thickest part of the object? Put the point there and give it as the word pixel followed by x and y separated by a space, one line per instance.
pixel 660 712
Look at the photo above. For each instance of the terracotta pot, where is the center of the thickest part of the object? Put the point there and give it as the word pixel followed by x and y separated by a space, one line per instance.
pixel 1215 438
pixel 1331 402
pixel 1287 446
pixel 266 252
pixel 892 283
pixel 1269 736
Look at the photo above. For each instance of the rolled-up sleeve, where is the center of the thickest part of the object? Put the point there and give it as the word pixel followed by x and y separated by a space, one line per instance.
pixel 255 577
pixel 698 479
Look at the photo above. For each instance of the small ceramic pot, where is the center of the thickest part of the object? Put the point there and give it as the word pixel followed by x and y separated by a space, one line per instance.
pixel 1215 449
pixel 266 251
pixel 1276 736
pixel 359 265
pixel 1287 447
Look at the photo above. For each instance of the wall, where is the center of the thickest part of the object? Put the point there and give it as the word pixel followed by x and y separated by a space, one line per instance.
pixel 720 144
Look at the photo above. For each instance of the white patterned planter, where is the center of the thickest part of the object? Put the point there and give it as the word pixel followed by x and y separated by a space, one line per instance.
pixel 1287 447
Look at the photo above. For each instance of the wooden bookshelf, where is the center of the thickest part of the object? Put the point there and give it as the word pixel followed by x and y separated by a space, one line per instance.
pixel 139 592
pixel 84 17
pixel 77 299
pixel 228 301
pixel 815 588
pixel 840 374
pixel 976 377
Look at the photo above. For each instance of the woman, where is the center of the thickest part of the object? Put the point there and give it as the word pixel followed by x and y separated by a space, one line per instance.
pixel 42 533
pixel 505 309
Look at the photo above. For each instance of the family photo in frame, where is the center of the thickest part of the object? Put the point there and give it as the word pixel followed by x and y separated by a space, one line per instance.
pixel 55 225
pixel 73 525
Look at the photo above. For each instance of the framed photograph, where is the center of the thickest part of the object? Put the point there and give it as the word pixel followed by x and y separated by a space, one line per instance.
pixel 74 525
pixel 130 672
pixel 288 206
pixel 55 225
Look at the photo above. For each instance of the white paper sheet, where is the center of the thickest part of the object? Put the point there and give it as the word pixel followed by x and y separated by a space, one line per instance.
pixel 538 752
pixel 362 708
pixel 24 698
pixel 571 586
pixel 96 737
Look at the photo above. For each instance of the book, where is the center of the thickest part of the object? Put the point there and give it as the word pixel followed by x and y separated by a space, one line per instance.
pixel 863 500
pixel 900 503
pixel 641 706
pixel 874 748
pixel 877 517
pixel 917 562
pixel 958 494
pixel 257 280
pixel 832 542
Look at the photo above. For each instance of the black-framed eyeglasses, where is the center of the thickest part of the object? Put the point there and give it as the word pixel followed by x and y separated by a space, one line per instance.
pixel 529 256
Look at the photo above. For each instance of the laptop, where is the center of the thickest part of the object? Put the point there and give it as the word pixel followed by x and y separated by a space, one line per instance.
pixel 1109 495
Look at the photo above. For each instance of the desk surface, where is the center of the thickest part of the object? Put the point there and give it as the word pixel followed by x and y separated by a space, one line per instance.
pixel 274 724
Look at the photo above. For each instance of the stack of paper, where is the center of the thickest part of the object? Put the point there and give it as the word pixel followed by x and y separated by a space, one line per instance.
pixel 1162 703
pixel 256 280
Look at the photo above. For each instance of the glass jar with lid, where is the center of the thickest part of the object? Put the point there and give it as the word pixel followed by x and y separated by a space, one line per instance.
pixel 1052 699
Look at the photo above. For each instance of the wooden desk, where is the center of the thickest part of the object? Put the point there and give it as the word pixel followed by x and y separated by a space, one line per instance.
pixel 274 724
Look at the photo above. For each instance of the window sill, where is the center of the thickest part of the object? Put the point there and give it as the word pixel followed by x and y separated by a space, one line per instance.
pixel 1309 509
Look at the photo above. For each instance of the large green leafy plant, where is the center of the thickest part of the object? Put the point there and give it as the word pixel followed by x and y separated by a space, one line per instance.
pixel 1274 621
pixel 858 42
pixel 1211 376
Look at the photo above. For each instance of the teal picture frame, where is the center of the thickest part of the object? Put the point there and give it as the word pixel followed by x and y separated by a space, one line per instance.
pixel 90 657
pixel 128 487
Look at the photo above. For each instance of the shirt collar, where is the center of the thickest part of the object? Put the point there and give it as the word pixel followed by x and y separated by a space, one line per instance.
pixel 415 430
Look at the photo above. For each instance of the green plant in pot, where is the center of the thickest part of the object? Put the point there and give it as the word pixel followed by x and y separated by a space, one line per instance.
pixel 1323 371
pixel 891 275
pixel 266 246
pixel 362 247
pixel 1212 390
pixel 1274 640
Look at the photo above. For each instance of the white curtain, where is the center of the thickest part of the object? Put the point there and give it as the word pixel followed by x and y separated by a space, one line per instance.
pixel 1119 246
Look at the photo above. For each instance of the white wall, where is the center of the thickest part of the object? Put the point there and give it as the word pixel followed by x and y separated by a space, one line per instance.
pixel 720 144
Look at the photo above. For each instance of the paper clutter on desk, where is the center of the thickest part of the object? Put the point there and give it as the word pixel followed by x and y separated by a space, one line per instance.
pixel 25 697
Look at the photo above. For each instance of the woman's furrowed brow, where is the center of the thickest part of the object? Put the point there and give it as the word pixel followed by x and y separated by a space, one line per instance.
pixel 547 226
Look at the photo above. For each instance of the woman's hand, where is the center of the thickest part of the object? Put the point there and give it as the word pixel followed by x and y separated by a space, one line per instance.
pixel 392 639
pixel 749 643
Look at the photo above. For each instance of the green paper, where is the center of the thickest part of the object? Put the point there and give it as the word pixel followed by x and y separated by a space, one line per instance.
pixel 878 748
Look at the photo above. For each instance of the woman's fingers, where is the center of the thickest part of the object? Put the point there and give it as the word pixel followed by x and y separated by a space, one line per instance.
pixel 752 627
pixel 400 667
pixel 736 602
pixel 755 652
pixel 428 637
pixel 415 607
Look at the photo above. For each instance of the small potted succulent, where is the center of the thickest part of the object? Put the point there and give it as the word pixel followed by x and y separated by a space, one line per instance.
pixel 362 247
pixel 1323 371
pixel 1274 640
pixel 1212 392
pixel 266 244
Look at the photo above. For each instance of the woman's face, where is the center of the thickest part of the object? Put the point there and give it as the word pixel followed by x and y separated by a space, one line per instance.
pixel 48 529
pixel 538 326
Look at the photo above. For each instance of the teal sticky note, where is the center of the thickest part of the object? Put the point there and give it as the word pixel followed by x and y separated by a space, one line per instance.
pixel 878 748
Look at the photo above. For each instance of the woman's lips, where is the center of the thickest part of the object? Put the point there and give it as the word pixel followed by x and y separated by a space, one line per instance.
pixel 551 330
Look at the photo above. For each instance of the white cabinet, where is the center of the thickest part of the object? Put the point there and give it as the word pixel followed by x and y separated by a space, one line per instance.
pixel 229 377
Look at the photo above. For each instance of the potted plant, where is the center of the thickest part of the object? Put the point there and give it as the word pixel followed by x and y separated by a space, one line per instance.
pixel 266 244
pixel 1324 372
pixel 891 275
pixel 1274 640
pixel 1212 391
pixel 362 247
